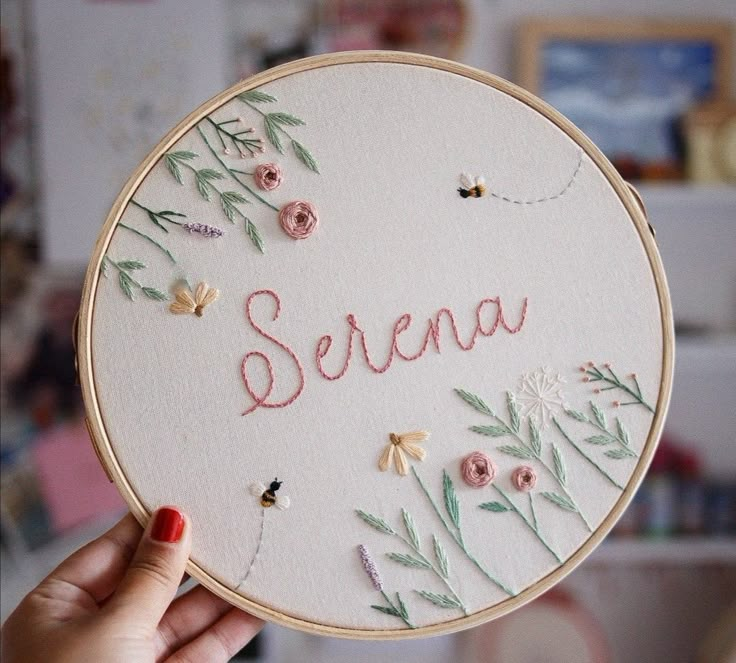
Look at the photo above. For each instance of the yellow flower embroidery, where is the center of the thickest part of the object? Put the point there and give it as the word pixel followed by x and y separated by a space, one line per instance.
pixel 186 303
pixel 397 445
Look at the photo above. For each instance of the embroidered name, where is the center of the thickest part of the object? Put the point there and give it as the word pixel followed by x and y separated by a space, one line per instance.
pixel 489 318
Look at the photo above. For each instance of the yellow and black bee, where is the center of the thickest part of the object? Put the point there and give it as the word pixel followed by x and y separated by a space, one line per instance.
pixel 268 495
pixel 472 187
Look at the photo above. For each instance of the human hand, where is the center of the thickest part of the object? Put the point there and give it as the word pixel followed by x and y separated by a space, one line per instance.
pixel 113 601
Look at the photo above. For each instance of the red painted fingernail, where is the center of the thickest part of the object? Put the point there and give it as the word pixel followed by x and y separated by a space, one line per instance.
pixel 168 525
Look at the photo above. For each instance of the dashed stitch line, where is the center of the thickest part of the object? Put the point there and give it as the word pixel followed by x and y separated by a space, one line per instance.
pixel 258 548
pixel 561 193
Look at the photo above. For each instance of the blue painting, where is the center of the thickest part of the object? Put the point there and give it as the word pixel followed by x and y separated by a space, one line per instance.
pixel 628 97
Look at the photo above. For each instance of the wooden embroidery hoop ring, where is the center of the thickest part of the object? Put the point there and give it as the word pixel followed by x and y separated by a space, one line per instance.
pixel 106 452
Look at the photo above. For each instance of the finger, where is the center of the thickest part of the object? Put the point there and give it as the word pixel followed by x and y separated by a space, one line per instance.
pixel 187 617
pixel 96 568
pixel 225 638
pixel 151 581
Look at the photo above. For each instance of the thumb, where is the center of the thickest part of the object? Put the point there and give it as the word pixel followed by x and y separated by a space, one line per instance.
pixel 153 577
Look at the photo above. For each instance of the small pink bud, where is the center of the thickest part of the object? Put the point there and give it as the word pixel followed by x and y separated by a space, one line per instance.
pixel 633 376
pixel 616 403
pixel 596 391
pixel 591 364
pixel 607 364
pixel 586 379
pixel 524 478
pixel 226 150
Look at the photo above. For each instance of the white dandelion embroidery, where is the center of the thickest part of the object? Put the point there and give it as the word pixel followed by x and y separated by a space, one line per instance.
pixel 540 395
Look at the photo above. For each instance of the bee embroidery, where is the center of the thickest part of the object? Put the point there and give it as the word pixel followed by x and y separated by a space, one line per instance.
pixel 268 495
pixel 472 187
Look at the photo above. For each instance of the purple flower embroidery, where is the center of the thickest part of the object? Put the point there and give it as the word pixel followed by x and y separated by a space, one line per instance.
pixel 370 567
pixel 203 229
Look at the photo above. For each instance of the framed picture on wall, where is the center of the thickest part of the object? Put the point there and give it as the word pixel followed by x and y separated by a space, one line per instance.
pixel 628 84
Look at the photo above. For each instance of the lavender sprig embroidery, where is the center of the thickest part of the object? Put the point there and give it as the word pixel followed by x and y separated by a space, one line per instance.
pixel 204 179
pixel 397 609
pixel 204 229
pixel 370 567
pixel 417 559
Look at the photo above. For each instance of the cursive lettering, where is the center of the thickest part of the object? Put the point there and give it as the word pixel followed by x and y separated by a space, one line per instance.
pixel 262 401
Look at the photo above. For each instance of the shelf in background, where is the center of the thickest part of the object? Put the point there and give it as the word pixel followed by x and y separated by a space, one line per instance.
pixel 675 551
pixel 675 194
pixel 696 236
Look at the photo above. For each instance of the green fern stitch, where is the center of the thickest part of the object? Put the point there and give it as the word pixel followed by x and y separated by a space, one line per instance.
pixel 416 559
pixel 128 284
pixel 205 179
pixel 529 449
pixel 275 123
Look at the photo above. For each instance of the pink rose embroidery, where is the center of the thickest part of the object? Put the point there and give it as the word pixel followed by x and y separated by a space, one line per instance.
pixel 268 176
pixel 299 219
pixel 524 478
pixel 478 470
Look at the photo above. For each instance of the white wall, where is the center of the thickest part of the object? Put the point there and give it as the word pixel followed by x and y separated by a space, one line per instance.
pixel 112 78
pixel 101 66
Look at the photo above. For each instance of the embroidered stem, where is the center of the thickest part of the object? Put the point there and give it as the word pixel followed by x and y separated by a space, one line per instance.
pixel 157 217
pixel 435 570
pixel 127 283
pixel 533 527
pixel 232 172
pixel 258 549
pixel 457 537
pixel 536 454
pixel 441 570
pixel 534 201
pixel 596 375
pixel 274 124
pixel 401 613
pixel 584 455
pixel 227 202
pixel 253 146
pixel 621 438
pixel 531 508
pixel 166 252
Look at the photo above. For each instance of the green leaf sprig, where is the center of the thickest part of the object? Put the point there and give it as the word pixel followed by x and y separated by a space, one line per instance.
pixel 275 124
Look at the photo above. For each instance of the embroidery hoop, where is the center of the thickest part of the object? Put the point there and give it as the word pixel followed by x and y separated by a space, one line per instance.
pixel 104 448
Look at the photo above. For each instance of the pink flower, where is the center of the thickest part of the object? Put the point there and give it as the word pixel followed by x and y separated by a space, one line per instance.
pixel 299 219
pixel 478 470
pixel 524 478
pixel 268 176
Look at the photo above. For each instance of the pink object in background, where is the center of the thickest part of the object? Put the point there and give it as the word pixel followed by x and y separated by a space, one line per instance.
pixel 74 486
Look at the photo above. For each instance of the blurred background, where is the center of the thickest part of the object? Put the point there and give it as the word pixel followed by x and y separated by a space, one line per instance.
pixel 89 87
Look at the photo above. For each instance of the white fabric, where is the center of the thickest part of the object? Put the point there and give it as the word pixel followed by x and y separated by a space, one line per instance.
pixel 394 237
